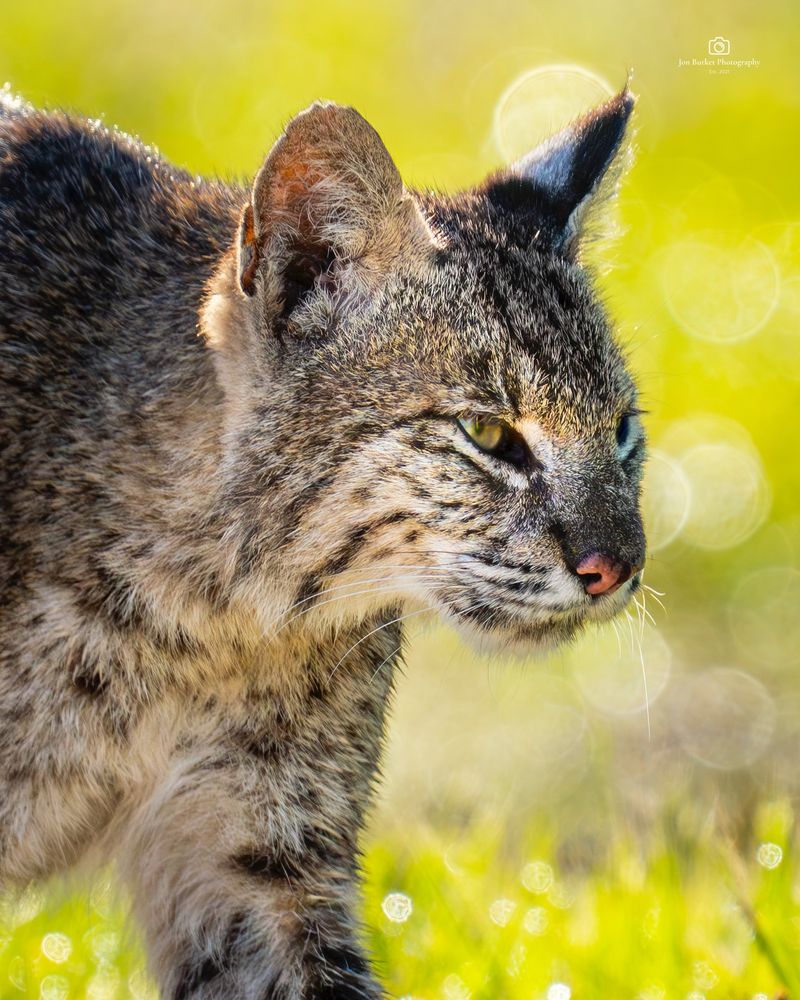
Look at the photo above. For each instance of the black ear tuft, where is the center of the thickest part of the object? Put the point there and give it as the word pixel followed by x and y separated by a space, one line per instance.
pixel 523 207
pixel 552 187
pixel 572 164
pixel 512 194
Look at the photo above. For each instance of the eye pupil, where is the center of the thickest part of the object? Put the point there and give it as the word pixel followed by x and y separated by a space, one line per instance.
pixel 623 430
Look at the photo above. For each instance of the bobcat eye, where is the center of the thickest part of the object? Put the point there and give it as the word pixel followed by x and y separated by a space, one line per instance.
pixel 626 434
pixel 496 438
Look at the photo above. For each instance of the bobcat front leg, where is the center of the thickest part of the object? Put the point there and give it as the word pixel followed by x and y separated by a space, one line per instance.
pixel 243 862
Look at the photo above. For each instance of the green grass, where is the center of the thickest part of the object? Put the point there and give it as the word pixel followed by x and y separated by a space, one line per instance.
pixel 690 920
pixel 467 915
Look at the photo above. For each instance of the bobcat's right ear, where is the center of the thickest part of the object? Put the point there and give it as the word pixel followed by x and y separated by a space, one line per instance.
pixel 547 195
pixel 327 208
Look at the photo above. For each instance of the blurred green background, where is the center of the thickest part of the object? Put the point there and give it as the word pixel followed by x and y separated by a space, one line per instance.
pixel 617 821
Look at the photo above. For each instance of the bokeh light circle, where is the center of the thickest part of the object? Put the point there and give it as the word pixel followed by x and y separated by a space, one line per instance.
pixel 784 356
pixel 719 292
pixel 705 977
pixel 455 988
pixel 398 907
pixel 536 921
pixel 542 101
pixel 725 718
pixel 537 877
pixel 140 987
pixel 765 616
pixel 501 911
pixel 700 428
pixel 104 984
pixel 625 669
pixel 730 495
pixel 769 855
pixel 560 730
pixel 57 947
pixel 666 496
pixel 54 988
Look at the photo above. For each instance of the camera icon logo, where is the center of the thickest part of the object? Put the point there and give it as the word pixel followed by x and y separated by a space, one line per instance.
pixel 719 46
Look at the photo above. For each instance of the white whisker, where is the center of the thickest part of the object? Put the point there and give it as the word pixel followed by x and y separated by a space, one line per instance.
pixel 360 583
pixel 656 595
pixel 616 633
pixel 646 613
pixel 640 608
pixel 644 671
pixel 382 664
pixel 379 628
pixel 345 591
pixel 629 620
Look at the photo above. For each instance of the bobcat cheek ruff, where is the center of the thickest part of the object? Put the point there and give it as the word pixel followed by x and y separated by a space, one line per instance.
pixel 399 403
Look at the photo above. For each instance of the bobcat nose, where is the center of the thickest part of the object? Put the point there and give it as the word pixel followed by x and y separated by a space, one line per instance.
pixel 600 574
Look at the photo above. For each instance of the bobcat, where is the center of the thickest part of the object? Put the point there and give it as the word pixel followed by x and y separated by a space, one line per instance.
pixel 245 434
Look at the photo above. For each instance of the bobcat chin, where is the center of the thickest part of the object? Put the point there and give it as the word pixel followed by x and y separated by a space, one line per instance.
pixel 244 435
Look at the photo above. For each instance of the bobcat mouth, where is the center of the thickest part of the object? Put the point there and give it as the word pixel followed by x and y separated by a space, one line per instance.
pixel 533 605
pixel 493 627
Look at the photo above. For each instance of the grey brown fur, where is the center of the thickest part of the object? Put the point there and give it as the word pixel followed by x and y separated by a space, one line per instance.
pixel 230 465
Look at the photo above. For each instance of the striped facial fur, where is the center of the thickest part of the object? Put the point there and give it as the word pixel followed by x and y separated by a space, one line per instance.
pixel 412 320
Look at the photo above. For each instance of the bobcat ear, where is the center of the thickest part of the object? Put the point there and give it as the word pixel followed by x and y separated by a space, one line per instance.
pixel 328 206
pixel 551 189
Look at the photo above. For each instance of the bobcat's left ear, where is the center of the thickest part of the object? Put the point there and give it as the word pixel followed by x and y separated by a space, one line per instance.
pixel 546 195
pixel 328 211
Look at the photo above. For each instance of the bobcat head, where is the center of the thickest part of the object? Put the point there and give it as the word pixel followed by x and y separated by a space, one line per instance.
pixel 426 408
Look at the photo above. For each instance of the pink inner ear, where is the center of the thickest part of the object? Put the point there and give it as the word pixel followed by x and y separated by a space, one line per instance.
pixel 328 189
pixel 292 190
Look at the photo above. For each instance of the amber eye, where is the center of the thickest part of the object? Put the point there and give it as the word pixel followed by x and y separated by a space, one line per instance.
pixel 486 434
pixel 495 437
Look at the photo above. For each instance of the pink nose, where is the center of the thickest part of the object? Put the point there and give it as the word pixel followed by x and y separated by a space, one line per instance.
pixel 600 574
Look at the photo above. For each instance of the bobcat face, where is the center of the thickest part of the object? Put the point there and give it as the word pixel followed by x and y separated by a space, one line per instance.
pixel 523 468
pixel 431 389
